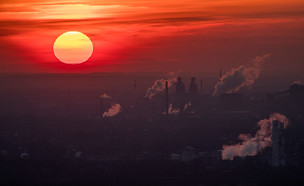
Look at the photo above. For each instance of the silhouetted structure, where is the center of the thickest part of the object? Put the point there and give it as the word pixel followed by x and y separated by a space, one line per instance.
pixel 270 97
pixel 167 99
pixel 295 95
pixel 278 144
pixel 180 88
pixel 193 92
pixel 180 93
pixel 296 92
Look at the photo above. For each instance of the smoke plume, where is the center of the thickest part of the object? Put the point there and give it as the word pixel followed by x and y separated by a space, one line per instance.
pixel 105 96
pixel 187 105
pixel 114 110
pixel 242 76
pixel 158 86
pixel 172 110
pixel 250 146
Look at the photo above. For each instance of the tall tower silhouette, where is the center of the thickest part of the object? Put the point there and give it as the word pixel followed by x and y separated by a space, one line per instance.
pixel 167 99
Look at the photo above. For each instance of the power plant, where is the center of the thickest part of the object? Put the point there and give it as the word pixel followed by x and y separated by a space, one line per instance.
pixel 295 93
pixel 174 128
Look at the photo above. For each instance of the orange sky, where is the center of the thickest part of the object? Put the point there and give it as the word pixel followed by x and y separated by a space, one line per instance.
pixel 133 35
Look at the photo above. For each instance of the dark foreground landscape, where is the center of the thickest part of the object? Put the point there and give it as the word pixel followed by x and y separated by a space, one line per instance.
pixel 52 132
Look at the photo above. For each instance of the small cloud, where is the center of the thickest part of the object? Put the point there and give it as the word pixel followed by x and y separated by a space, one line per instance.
pixel 113 111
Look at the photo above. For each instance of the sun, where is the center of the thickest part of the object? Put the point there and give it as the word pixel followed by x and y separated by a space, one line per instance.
pixel 73 47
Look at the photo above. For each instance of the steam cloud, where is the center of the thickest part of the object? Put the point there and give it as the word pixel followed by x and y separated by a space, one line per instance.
pixel 187 105
pixel 242 76
pixel 105 96
pixel 172 110
pixel 250 146
pixel 114 110
pixel 158 86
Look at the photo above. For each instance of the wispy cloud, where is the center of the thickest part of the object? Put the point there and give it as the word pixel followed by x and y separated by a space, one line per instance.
pixel 118 27
pixel 62 10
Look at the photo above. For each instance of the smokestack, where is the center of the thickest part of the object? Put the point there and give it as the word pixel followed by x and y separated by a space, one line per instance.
pixel 277 144
pixel 167 99
pixel 159 86
pixel 269 134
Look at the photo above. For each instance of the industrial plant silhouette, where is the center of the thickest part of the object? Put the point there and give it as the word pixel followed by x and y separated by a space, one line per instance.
pixel 152 129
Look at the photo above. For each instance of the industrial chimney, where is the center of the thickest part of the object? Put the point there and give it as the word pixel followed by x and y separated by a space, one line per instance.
pixel 278 144
pixel 167 99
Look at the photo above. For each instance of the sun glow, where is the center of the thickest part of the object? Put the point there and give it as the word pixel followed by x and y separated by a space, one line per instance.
pixel 73 47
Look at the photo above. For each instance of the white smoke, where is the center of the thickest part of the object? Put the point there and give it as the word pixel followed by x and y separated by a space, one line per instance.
pixel 172 110
pixel 187 105
pixel 242 76
pixel 114 110
pixel 158 86
pixel 105 96
pixel 250 146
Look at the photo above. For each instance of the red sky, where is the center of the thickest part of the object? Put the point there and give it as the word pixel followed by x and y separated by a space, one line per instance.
pixel 154 35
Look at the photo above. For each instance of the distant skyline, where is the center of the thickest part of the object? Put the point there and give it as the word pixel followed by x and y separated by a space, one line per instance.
pixel 154 36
